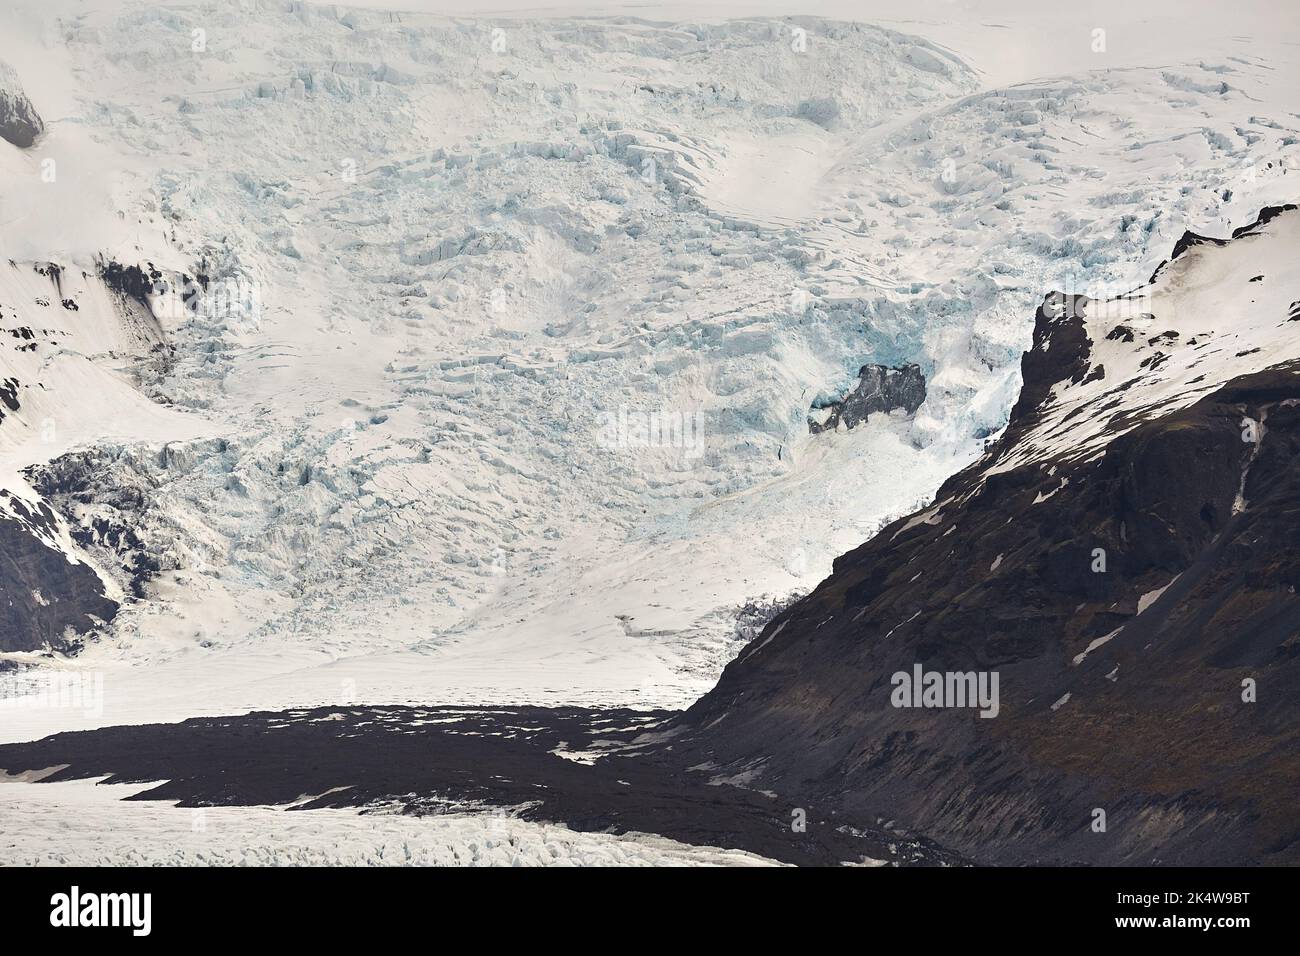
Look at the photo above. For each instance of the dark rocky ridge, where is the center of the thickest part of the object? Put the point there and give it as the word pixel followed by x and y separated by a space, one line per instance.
pixel 999 576
pixel 20 124
pixel 879 389
pixel 45 601
pixel 1187 772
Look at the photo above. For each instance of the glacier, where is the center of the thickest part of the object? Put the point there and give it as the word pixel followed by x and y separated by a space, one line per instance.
pixel 382 469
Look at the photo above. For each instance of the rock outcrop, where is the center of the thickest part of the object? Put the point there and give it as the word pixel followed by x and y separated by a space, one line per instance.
pixel 20 124
pixel 1125 560
pixel 879 389
pixel 46 600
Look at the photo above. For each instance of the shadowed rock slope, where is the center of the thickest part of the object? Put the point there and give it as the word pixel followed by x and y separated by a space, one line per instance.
pixel 45 599
pixel 20 124
pixel 1126 559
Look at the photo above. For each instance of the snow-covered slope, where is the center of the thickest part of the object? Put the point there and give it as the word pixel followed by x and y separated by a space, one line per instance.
pixel 1209 316
pixel 529 315
pixel 96 825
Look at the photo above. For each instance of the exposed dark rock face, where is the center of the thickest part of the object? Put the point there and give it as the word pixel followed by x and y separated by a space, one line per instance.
pixel 1154 731
pixel 130 281
pixel 106 509
pixel 1127 602
pixel 9 395
pixel 20 124
pixel 45 601
pixel 879 389
pixel 50 597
